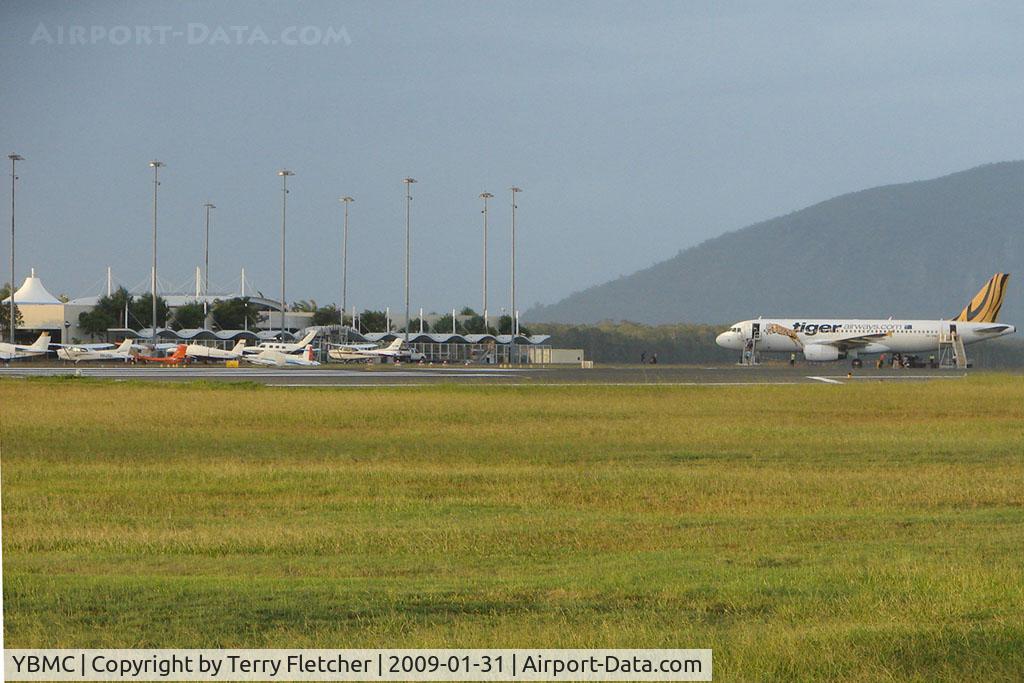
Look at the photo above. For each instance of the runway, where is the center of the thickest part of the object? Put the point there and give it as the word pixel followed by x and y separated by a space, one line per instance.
pixel 390 376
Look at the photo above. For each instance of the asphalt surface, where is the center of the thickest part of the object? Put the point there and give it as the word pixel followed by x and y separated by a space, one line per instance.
pixel 379 375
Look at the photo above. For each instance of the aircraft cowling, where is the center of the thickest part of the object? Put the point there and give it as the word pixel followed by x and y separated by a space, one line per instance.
pixel 822 353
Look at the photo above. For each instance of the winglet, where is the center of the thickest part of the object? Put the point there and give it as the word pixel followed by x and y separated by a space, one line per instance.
pixel 984 307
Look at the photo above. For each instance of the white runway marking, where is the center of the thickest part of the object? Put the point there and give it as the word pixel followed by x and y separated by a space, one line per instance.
pixel 827 380
pixel 886 378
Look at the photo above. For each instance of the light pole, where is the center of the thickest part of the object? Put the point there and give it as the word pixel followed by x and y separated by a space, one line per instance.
pixel 512 311
pixel 156 166
pixel 408 215
pixel 344 262
pixel 485 196
pixel 284 173
pixel 15 158
pixel 206 266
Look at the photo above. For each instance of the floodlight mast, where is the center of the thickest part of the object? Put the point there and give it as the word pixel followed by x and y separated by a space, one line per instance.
pixel 156 166
pixel 513 319
pixel 284 173
pixel 206 263
pixel 485 196
pixel 408 233
pixel 344 261
pixel 14 176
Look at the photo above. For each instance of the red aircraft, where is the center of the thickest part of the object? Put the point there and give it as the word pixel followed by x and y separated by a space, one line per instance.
pixel 177 358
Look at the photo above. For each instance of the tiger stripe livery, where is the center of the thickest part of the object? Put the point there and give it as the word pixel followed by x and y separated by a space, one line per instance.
pixel 984 307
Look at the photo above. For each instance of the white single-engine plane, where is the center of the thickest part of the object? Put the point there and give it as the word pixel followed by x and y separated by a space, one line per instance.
pixel 39 347
pixel 396 350
pixel 78 353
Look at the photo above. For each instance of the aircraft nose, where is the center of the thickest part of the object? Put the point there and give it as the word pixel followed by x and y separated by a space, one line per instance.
pixel 724 339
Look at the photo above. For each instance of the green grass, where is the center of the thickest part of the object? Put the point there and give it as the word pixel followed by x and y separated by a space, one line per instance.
pixel 867 531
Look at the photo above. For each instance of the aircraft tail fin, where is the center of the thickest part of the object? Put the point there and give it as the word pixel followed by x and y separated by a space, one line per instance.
pixel 984 307
pixel 125 346
pixel 239 346
pixel 308 338
pixel 395 345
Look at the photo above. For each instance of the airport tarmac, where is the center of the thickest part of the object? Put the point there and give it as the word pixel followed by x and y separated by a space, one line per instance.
pixel 410 375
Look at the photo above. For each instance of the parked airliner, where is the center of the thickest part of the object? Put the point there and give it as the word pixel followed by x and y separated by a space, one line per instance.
pixel 829 339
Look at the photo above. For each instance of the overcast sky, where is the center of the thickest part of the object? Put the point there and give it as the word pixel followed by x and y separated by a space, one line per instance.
pixel 634 129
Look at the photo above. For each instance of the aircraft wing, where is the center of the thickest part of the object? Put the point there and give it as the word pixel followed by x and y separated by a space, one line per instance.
pixel 7 356
pixel 992 329
pixel 299 360
pixel 264 357
pixel 83 347
pixel 853 341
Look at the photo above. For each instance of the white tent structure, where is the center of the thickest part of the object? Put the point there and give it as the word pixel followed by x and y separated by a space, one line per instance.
pixel 33 293
pixel 40 310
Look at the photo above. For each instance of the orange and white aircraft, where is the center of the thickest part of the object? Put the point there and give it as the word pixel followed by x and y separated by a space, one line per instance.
pixel 177 358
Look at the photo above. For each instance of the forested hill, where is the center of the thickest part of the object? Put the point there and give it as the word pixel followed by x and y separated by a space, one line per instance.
pixel 920 249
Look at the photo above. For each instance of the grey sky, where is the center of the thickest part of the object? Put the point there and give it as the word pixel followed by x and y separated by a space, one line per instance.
pixel 635 130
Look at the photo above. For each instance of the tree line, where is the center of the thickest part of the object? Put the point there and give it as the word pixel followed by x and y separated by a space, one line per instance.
pixel 122 309
pixel 5 310
pixel 628 342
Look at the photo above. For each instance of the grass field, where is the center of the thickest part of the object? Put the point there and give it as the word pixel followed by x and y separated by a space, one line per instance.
pixel 864 532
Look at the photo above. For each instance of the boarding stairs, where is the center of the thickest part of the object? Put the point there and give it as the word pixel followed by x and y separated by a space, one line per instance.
pixel 750 351
pixel 952 353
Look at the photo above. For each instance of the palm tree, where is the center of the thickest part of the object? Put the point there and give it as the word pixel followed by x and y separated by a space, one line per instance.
pixel 308 306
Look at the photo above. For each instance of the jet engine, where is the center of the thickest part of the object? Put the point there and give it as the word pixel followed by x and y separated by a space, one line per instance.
pixel 822 353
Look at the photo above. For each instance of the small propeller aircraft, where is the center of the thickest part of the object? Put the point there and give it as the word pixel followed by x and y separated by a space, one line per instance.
pixel 177 358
